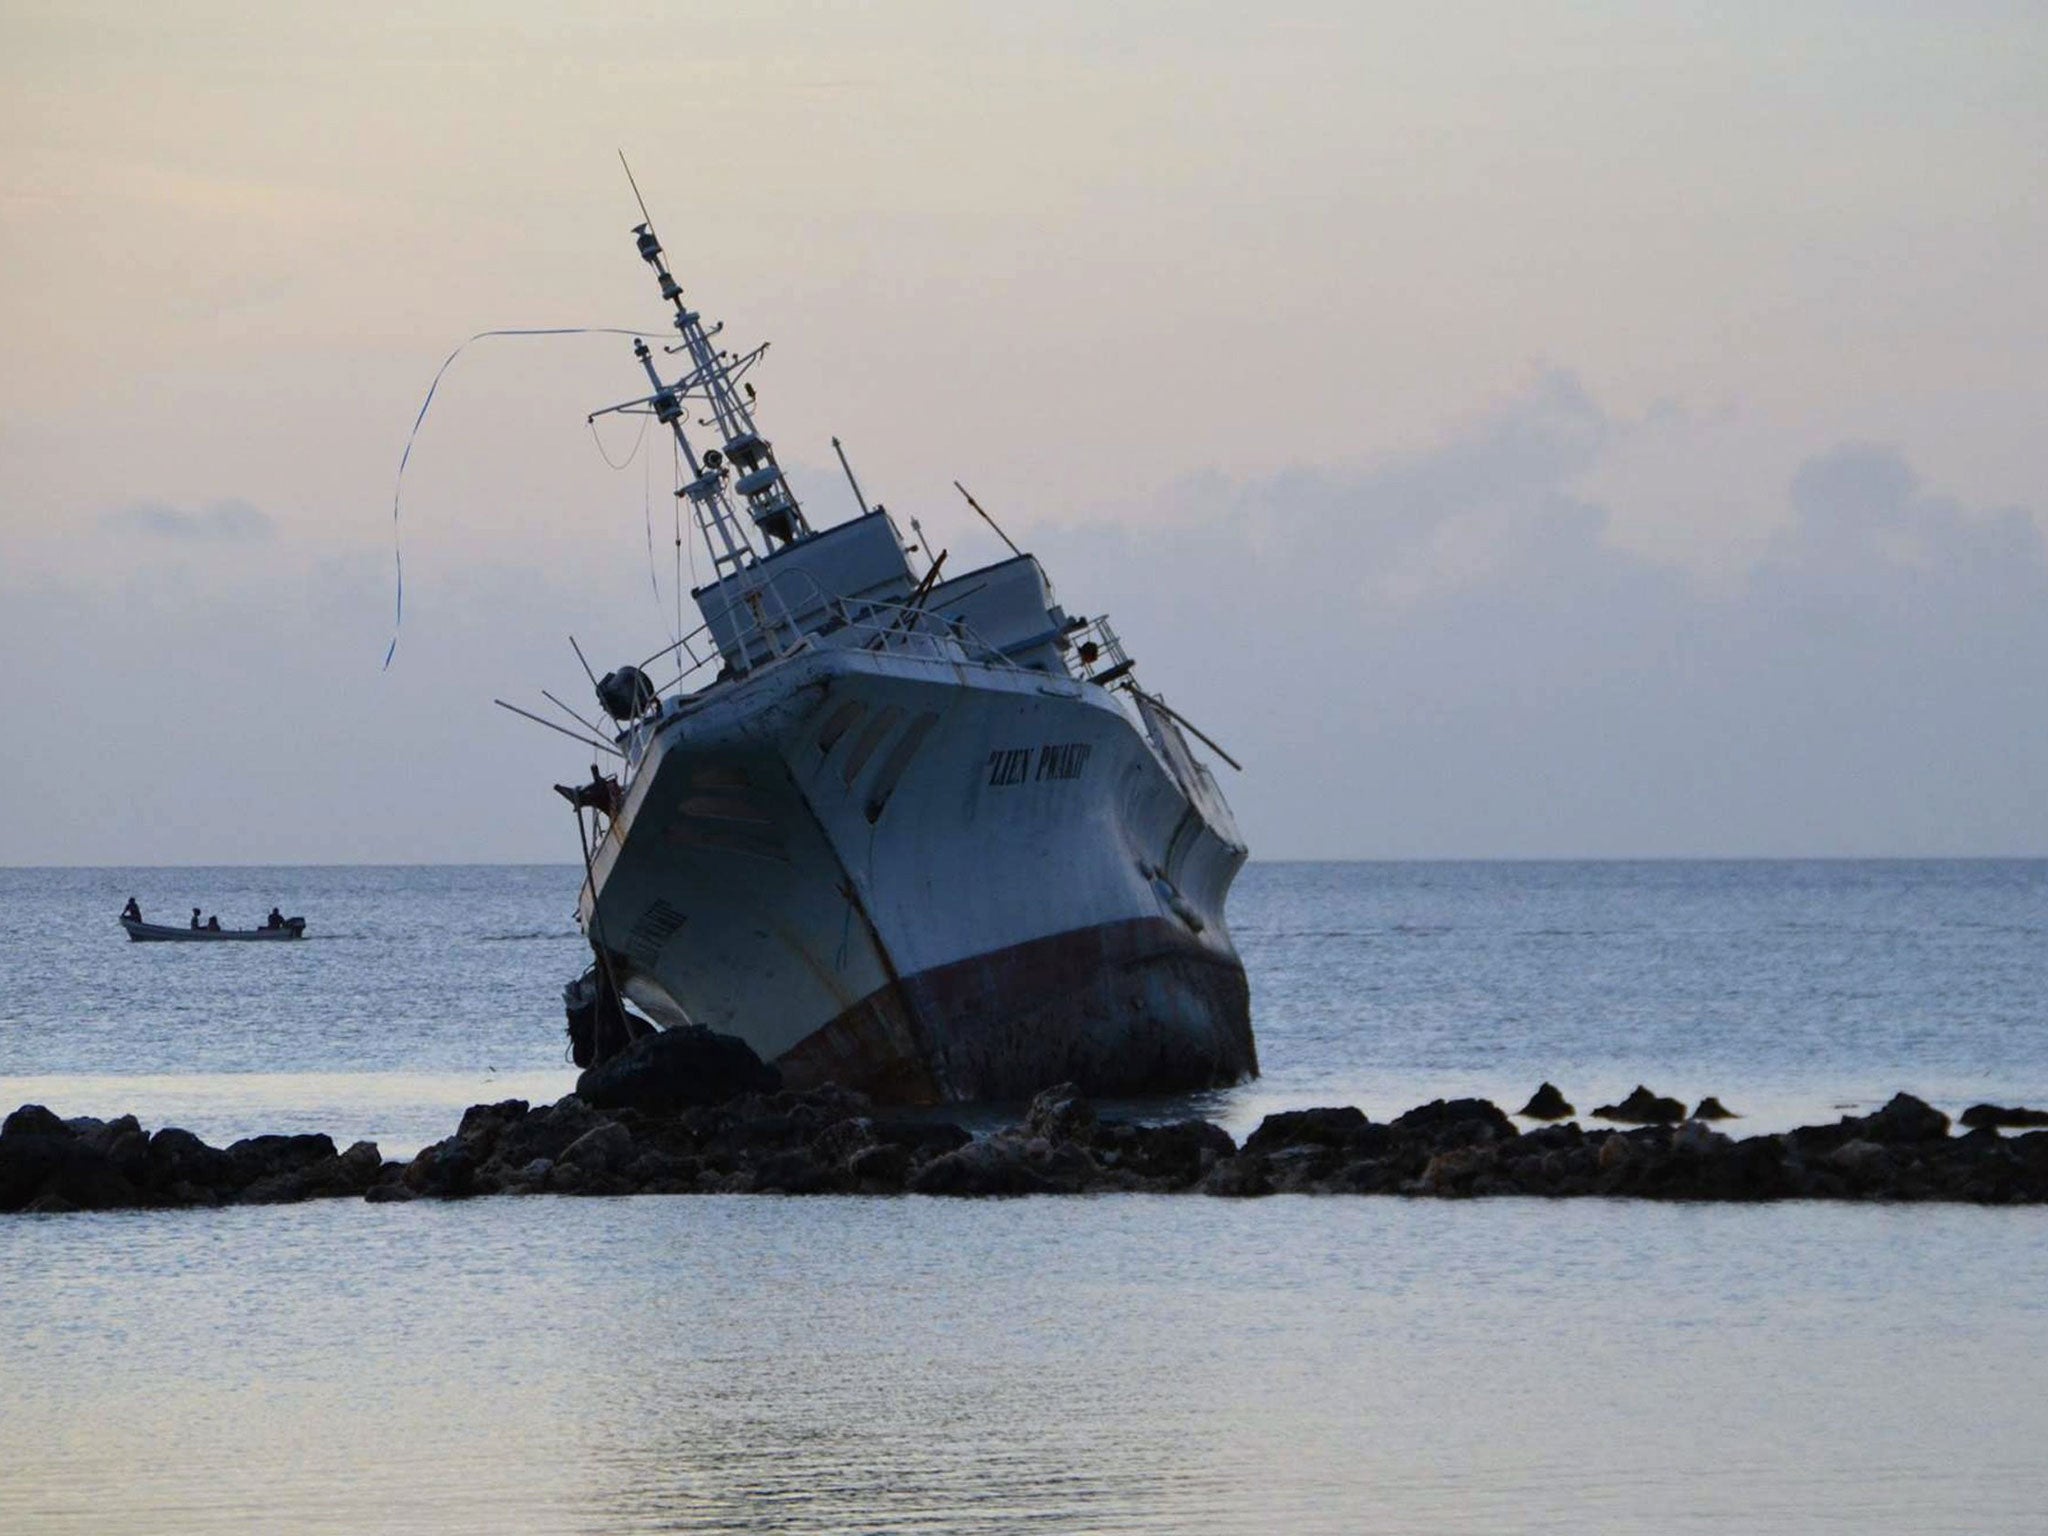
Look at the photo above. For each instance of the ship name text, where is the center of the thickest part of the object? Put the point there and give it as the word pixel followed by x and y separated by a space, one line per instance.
pixel 1027 765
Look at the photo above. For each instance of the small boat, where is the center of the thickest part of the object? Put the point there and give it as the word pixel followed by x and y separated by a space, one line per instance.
pixel 166 933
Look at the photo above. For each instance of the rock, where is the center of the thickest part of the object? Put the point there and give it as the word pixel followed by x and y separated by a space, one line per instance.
pixel 1997 1117
pixel 1301 1170
pixel 1904 1119
pixel 1066 1167
pixel 603 1149
pixel 797 1171
pixel 880 1169
pixel 1747 1170
pixel 1454 1172
pixel 1860 1156
pixel 842 1140
pixel 1365 1177
pixel 1616 1151
pixel 350 1173
pixel 1643 1108
pixel 1243 1177
pixel 36 1166
pixel 1697 1139
pixel 1060 1114
pixel 34 1120
pixel 482 1124
pixel 27 1160
pixel 545 1132
pixel 1550 1138
pixel 831 1102
pixel 924 1138
pixel 827 1141
pixel 994 1167
pixel 1457 1122
pixel 178 1157
pixel 770 1131
pixel 1176 1154
pixel 1711 1108
pixel 676 1069
pixel 127 1148
pixel 1546 1103
pixel 446 1170
pixel 119 1129
pixel 122 1140
pixel 1337 1127
pixel 258 1158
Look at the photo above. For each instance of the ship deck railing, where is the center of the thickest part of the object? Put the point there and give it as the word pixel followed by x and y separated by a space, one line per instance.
pixel 1094 654
pixel 867 624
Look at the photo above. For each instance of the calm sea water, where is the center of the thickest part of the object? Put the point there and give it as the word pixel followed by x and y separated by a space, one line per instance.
pixel 1118 1363
pixel 1785 988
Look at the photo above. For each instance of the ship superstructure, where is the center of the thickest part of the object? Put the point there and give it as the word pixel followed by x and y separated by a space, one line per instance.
pixel 918 833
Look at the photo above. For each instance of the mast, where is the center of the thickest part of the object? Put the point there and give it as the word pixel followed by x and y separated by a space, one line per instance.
pixel 740 471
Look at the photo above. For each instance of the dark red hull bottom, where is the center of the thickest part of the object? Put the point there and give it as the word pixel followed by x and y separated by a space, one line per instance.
pixel 1122 1010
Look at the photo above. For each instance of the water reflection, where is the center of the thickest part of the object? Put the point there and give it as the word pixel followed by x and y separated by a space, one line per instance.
pixel 1102 1364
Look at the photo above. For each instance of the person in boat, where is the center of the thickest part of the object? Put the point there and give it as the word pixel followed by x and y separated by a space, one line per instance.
pixel 195 918
pixel 131 913
pixel 275 920
pixel 213 923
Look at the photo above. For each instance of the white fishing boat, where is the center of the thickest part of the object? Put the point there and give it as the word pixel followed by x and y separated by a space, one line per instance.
pixel 171 933
pixel 916 832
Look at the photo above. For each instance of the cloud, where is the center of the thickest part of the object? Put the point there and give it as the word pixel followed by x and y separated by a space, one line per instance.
pixel 225 522
pixel 1864 532
pixel 1448 653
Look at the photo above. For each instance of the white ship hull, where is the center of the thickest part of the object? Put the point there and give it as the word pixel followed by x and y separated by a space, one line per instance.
pixel 919 834
pixel 930 879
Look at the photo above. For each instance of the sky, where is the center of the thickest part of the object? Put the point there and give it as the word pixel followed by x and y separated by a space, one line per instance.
pixel 1519 430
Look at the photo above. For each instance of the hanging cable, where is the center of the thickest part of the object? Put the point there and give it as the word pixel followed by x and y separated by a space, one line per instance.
pixel 647 521
pixel 676 463
pixel 631 453
pixel 398 487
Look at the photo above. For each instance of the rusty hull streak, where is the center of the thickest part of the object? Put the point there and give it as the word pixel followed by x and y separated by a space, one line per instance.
pixel 879 1045
pixel 1107 1008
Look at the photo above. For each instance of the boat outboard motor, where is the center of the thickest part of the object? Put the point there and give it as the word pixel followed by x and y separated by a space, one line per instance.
pixel 626 694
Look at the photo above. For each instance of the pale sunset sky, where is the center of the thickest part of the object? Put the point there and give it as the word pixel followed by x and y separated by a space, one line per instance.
pixel 1514 430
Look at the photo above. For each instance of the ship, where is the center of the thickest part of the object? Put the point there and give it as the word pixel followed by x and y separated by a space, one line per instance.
pixel 917 832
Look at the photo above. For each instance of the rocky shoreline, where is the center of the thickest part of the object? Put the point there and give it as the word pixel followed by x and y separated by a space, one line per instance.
pixel 830 1141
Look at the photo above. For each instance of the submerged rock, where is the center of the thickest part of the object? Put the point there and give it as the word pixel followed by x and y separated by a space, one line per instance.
pixel 2000 1118
pixel 676 1069
pixel 1643 1107
pixel 1546 1103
